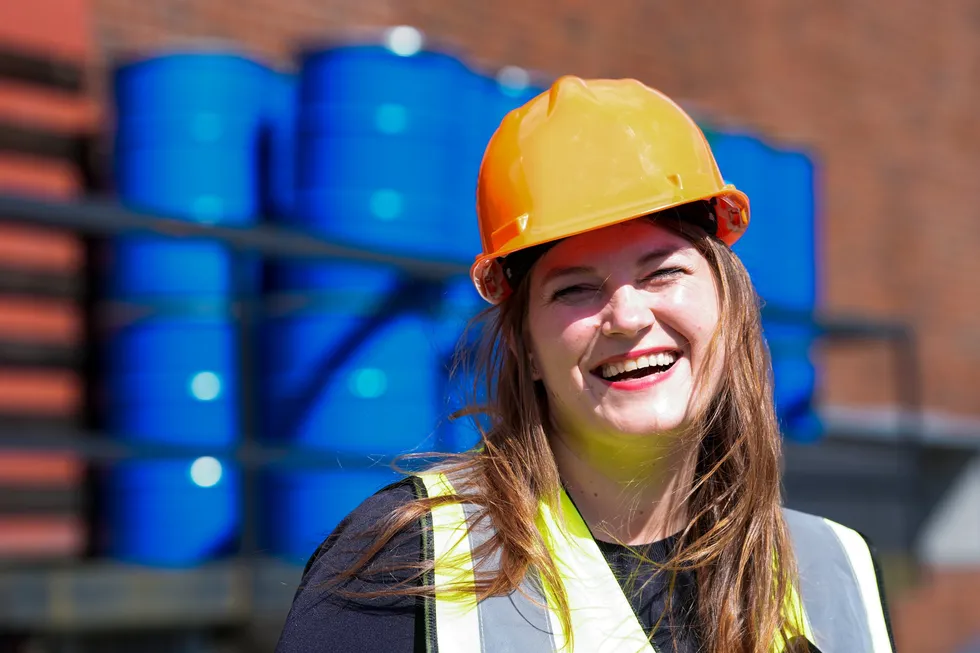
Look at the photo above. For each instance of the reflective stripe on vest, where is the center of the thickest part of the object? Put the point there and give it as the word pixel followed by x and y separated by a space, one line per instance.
pixel 840 610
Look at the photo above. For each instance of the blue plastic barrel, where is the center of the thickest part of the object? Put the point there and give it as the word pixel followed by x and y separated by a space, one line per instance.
pixel 355 372
pixel 380 140
pixel 187 135
pixel 174 381
pixel 491 99
pixel 189 82
pixel 792 187
pixel 188 138
pixel 352 368
pixel 778 250
pixel 173 344
pixel 172 513
pixel 302 507
pixel 457 339
pixel 795 377
pixel 188 131
pixel 141 266
pixel 193 407
pixel 279 165
pixel 200 183
pixel 345 376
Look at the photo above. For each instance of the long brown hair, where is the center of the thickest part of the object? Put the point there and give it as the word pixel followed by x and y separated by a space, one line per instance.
pixel 735 538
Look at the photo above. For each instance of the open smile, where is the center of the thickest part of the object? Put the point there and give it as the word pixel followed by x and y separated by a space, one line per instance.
pixel 637 369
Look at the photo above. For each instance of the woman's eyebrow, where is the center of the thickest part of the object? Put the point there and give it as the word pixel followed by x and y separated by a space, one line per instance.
pixel 556 273
pixel 656 255
pixel 653 255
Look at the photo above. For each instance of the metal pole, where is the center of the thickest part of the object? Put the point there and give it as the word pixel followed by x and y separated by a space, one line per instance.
pixel 908 373
pixel 244 312
pixel 108 218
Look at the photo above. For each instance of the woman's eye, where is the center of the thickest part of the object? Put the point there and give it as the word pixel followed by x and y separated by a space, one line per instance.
pixel 572 291
pixel 664 273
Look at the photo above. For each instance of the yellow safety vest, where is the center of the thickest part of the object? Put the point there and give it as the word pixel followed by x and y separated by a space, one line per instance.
pixel 840 609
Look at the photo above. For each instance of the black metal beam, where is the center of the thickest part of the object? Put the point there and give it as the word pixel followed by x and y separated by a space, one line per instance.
pixel 97 596
pixel 35 355
pixel 103 448
pixel 108 218
pixel 41 69
pixel 40 284
pixel 39 142
pixel 838 326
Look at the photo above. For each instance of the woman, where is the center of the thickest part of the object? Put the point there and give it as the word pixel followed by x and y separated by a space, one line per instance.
pixel 626 493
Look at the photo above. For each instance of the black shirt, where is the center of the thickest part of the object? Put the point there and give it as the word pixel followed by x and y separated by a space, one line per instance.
pixel 320 621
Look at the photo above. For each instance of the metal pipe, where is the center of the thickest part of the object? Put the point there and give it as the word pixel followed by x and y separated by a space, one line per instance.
pixel 107 218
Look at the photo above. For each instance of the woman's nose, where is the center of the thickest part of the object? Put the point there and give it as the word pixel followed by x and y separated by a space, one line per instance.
pixel 627 313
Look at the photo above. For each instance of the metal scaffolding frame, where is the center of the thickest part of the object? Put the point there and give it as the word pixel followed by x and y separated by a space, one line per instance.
pixel 252 585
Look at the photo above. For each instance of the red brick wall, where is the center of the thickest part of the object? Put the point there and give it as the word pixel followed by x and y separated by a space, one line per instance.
pixel 942 614
pixel 31 392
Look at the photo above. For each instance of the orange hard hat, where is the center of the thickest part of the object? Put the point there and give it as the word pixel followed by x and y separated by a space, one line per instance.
pixel 587 154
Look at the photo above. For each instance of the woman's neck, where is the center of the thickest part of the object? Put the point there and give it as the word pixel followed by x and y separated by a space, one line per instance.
pixel 627 492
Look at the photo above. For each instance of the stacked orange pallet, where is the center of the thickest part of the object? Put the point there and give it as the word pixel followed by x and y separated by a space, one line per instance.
pixel 46 117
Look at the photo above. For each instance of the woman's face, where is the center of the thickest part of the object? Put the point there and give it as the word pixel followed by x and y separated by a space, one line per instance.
pixel 620 320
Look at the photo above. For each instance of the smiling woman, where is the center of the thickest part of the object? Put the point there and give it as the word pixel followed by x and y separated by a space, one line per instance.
pixel 626 493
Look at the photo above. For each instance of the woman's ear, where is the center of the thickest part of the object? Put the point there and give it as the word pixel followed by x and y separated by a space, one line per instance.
pixel 535 373
pixel 515 352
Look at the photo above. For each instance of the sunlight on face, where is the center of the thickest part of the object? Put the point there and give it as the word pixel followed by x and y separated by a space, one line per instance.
pixel 620 320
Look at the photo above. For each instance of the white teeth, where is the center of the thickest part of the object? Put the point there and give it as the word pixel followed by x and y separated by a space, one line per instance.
pixel 662 359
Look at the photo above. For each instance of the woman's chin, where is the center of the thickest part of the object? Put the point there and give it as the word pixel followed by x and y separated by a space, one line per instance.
pixel 646 426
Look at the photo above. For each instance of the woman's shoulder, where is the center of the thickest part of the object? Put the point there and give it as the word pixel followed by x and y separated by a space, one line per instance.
pixel 808 530
pixel 819 542
pixel 832 555
pixel 336 610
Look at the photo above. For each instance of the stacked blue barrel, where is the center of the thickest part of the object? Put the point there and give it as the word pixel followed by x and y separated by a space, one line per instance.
pixel 456 344
pixel 779 252
pixel 279 146
pixel 487 99
pixel 187 132
pixel 354 373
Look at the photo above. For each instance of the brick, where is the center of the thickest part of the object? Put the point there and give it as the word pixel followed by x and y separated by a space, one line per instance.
pixel 40 469
pixel 39 249
pixel 41 392
pixel 27 319
pixel 39 177
pixel 40 108
pixel 41 537
pixel 59 27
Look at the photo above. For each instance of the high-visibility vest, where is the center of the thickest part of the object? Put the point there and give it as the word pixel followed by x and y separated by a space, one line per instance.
pixel 839 609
